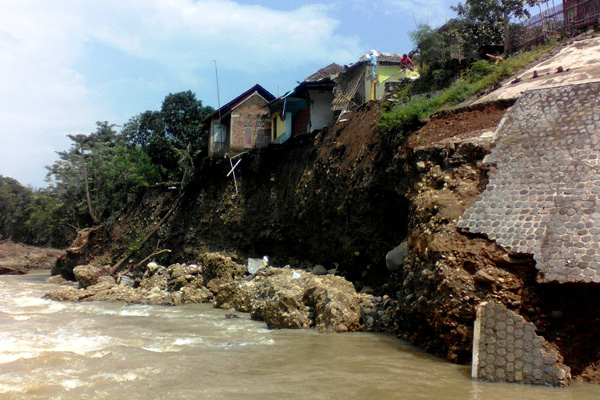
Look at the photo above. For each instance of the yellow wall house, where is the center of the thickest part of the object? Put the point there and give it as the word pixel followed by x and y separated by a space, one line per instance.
pixel 280 127
pixel 306 108
pixel 357 85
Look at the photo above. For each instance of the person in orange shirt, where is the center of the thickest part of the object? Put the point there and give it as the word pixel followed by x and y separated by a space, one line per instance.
pixel 406 62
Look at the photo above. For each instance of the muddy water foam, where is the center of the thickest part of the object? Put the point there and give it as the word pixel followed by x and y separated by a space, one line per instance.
pixel 51 350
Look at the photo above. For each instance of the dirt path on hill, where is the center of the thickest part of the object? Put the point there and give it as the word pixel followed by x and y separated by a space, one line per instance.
pixel 459 124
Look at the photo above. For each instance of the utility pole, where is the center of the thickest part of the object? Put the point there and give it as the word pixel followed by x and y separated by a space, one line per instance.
pixel 218 92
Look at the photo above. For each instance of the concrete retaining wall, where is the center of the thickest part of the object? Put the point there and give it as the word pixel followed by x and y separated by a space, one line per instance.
pixel 543 195
pixel 507 349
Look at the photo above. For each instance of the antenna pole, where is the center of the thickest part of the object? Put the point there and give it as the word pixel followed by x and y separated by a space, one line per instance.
pixel 218 92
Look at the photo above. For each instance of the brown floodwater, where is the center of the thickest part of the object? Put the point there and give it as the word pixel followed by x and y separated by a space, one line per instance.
pixel 53 350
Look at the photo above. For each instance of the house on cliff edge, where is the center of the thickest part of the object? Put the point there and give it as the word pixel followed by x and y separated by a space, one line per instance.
pixel 243 123
pixel 357 86
pixel 306 108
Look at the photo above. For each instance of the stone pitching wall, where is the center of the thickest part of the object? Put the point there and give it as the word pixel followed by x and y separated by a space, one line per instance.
pixel 543 195
pixel 507 349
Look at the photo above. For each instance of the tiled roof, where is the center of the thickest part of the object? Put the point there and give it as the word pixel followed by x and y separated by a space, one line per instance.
pixel 227 107
pixel 383 57
pixel 329 72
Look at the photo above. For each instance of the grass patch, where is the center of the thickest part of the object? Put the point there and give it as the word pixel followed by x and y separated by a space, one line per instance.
pixel 481 75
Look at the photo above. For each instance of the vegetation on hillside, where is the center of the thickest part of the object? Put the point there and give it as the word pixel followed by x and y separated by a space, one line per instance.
pixel 481 75
pixel 489 21
pixel 91 181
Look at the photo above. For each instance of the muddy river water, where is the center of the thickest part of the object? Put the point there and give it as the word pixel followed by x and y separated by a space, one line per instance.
pixel 52 350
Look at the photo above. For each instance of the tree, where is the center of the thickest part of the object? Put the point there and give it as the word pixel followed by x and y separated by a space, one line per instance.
pixel 97 173
pixel 31 215
pixel 431 45
pixel 488 21
pixel 147 132
pixel 166 134
pixel 48 221
pixel 440 56
pixel 183 114
pixel 14 205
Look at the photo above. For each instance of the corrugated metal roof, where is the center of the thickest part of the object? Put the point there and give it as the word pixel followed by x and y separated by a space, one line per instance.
pixel 342 100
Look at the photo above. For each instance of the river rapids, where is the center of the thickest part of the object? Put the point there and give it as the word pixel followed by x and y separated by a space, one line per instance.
pixel 52 350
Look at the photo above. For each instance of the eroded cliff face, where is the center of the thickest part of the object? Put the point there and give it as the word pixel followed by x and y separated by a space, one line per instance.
pixel 344 199
pixel 320 200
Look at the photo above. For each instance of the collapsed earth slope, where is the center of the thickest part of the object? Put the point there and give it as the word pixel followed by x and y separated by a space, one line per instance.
pixel 18 259
pixel 343 199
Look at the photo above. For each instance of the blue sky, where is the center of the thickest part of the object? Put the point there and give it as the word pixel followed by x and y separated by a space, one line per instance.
pixel 65 64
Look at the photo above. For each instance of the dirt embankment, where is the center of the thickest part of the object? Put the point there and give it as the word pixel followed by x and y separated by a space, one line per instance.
pixel 315 200
pixel 17 258
pixel 448 272
pixel 342 199
pixel 345 198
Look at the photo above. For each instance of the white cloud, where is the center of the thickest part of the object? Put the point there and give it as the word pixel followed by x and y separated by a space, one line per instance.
pixel 183 34
pixel 408 12
pixel 39 93
pixel 43 94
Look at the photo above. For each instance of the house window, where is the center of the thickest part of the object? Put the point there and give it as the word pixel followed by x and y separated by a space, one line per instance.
pixel 261 139
pixel 219 134
pixel 247 137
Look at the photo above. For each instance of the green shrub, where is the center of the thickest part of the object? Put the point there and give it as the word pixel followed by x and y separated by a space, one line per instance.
pixel 481 75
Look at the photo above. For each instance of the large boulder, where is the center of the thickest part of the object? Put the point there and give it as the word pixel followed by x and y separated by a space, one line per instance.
pixel 396 257
pixel 87 275
pixel 104 290
pixel 286 310
pixel 336 305
pixel 180 275
pixel 214 284
pixel 160 297
pixel 236 294
pixel 107 290
pixel 216 265
pixel 286 298
pixel 191 294
pixel 155 276
pixel 64 294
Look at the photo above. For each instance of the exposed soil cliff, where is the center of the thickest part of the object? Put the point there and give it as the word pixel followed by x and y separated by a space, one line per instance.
pixel 343 199
pixel 17 258
pixel 315 200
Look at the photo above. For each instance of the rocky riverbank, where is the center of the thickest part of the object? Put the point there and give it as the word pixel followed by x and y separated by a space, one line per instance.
pixel 344 199
pixel 282 297
pixel 18 258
